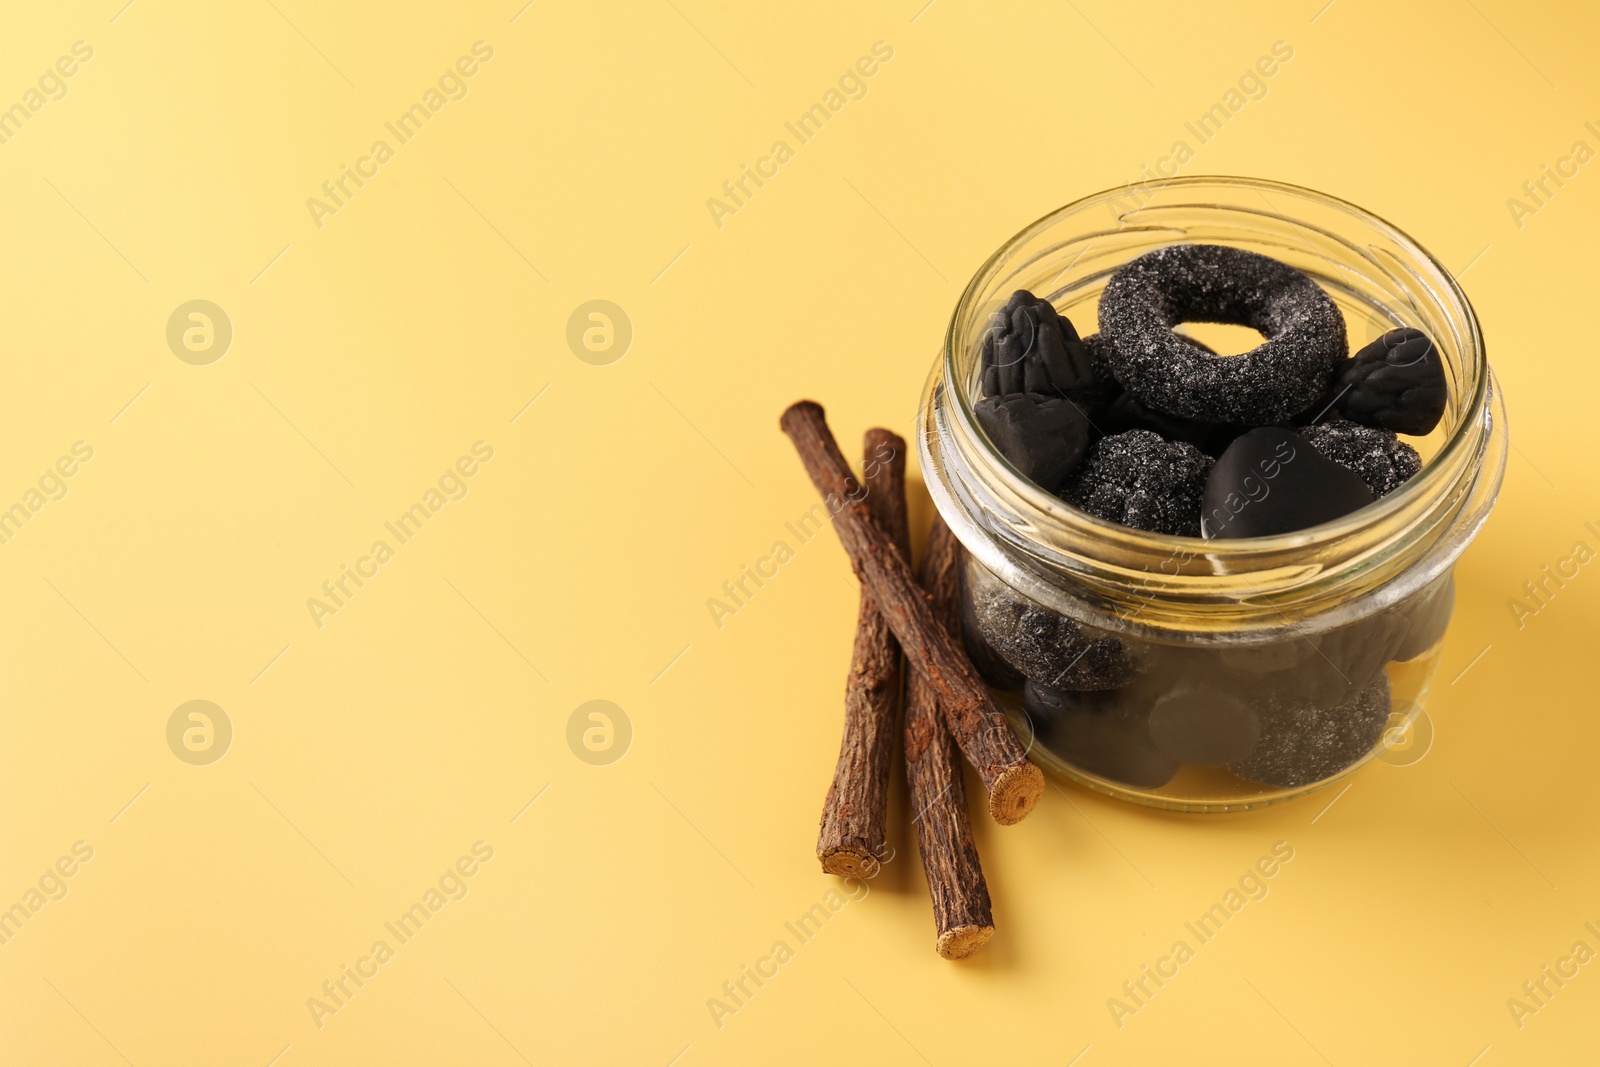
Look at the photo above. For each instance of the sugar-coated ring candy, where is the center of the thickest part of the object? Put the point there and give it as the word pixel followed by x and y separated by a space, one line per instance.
pixel 1283 376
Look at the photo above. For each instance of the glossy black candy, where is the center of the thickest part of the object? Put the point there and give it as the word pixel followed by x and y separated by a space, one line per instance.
pixel 1339 663
pixel 1029 348
pixel 1098 733
pixel 1427 617
pixel 1395 383
pixel 1271 481
pixel 1204 722
pixel 1376 456
pixel 1043 437
pixel 1127 413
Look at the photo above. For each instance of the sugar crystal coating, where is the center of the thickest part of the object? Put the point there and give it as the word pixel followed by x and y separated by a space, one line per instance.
pixel 1304 742
pixel 1047 648
pixel 1377 456
pixel 1140 480
pixel 1150 295
pixel 1106 387
pixel 991 666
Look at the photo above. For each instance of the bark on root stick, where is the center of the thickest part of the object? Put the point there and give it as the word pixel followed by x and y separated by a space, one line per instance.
pixel 852 838
pixel 1014 784
pixel 961 911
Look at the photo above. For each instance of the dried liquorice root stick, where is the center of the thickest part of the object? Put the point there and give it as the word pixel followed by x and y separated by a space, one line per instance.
pixel 961 911
pixel 975 722
pixel 852 838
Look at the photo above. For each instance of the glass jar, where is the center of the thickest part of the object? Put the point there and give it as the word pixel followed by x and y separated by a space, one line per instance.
pixel 1212 675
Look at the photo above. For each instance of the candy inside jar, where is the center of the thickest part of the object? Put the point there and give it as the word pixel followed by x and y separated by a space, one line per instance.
pixel 1203 580
pixel 1238 722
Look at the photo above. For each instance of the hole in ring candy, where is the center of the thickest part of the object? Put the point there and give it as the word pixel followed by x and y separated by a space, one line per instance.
pixel 1147 297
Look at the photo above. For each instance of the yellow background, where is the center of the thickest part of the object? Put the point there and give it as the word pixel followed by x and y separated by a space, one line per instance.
pixel 368 354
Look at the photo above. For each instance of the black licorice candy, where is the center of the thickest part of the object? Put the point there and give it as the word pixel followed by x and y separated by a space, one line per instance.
pixel 1044 647
pixel 1272 481
pixel 1303 742
pixel 1396 383
pixel 1030 348
pixel 1427 617
pixel 1098 733
pixel 1376 456
pixel 1197 722
pixel 1043 437
pixel 1148 296
pixel 1139 479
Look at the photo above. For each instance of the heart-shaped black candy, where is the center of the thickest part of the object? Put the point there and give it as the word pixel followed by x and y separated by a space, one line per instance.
pixel 1271 481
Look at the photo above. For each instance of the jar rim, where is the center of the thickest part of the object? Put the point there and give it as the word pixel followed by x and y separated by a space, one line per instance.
pixel 1344 549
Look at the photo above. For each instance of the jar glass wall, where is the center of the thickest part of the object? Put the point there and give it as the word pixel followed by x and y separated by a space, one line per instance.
pixel 1212 675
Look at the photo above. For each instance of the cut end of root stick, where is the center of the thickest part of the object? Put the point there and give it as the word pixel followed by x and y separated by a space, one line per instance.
pixel 962 941
pixel 1015 793
pixel 798 411
pixel 849 862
